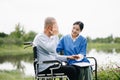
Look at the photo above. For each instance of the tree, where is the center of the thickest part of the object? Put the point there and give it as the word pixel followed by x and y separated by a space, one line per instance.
pixel 89 39
pixel 29 36
pixel 117 40
pixel 19 31
pixel 2 34
pixel 60 35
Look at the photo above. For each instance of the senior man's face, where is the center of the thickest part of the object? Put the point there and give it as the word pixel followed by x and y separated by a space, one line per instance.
pixel 54 28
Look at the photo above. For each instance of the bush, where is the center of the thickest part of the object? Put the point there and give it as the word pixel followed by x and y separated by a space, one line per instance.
pixel 10 41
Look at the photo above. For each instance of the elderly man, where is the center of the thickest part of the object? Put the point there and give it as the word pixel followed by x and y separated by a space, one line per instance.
pixel 46 44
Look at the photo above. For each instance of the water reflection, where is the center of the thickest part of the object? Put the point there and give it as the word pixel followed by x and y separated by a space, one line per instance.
pixel 28 68
pixel 118 50
pixel 7 66
pixel 24 63
pixel 105 60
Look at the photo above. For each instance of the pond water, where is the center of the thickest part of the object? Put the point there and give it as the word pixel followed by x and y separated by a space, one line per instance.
pixel 104 60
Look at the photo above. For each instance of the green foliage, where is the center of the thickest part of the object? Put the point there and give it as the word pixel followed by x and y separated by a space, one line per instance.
pixel 60 35
pixel 106 47
pixel 16 37
pixel 10 41
pixel 13 50
pixel 109 74
pixel 13 75
pixel 29 36
pixel 117 40
pixel 108 39
pixel 19 31
pixel 2 35
pixel 89 39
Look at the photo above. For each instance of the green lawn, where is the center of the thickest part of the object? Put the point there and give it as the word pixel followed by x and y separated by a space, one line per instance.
pixel 109 74
pixel 107 47
pixel 13 75
pixel 14 50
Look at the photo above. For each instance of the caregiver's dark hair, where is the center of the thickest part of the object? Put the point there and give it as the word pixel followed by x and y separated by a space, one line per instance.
pixel 81 25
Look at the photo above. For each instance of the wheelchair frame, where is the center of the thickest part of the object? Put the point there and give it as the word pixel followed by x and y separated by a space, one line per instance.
pixel 47 75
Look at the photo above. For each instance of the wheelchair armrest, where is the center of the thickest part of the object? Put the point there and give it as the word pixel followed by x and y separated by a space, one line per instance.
pixel 59 64
pixel 95 66
pixel 94 61
pixel 27 43
pixel 48 61
pixel 52 61
pixel 55 62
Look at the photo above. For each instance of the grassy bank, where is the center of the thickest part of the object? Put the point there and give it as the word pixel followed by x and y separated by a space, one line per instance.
pixel 13 75
pixel 19 50
pixel 14 50
pixel 18 53
pixel 107 47
pixel 108 74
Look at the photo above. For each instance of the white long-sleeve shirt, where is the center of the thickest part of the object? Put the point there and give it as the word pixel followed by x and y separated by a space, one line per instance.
pixel 46 49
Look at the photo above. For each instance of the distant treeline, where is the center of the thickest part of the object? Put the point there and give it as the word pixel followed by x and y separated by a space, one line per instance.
pixel 19 36
pixel 108 39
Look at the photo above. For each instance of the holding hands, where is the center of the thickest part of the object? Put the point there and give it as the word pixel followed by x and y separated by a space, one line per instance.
pixel 76 57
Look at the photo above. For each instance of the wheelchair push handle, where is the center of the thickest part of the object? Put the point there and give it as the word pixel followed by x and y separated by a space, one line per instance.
pixel 28 44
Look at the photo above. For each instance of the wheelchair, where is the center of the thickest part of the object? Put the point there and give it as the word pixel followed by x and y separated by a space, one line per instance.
pixel 52 75
pixel 46 76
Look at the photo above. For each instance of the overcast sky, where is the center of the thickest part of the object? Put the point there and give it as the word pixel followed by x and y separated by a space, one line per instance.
pixel 101 17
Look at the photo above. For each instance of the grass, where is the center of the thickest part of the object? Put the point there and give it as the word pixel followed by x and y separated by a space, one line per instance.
pixel 109 74
pixel 107 47
pixel 14 50
pixel 13 75
pixel 15 53
pixel 16 75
